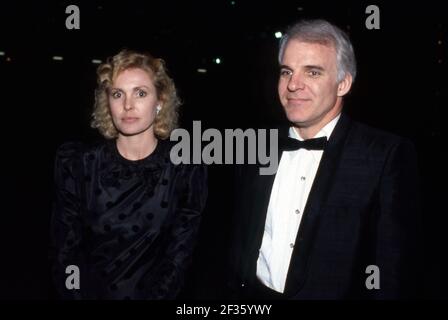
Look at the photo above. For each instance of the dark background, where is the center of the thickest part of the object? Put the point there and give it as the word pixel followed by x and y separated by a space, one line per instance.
pixel 400 88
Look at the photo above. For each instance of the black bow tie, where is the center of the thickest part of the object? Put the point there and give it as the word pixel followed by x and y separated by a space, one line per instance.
pixel 290 144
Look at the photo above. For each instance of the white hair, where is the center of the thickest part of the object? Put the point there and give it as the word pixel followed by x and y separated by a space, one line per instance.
pixel 323 32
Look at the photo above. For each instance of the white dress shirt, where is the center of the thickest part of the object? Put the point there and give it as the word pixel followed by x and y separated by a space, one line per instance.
pixel 292 185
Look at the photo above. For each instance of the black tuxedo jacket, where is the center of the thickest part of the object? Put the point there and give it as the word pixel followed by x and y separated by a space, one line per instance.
pixel 362 210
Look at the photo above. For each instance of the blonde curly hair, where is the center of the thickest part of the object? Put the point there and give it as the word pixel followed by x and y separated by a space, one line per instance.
pixel 166 119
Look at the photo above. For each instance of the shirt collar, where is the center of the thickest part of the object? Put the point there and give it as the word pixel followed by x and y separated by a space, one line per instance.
pixel 325 131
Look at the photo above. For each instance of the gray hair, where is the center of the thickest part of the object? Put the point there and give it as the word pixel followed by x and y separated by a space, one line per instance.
pixel 323 32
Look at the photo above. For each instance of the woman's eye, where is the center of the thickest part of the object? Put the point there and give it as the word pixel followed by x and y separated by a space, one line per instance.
pixel 141 93
pixel 116 94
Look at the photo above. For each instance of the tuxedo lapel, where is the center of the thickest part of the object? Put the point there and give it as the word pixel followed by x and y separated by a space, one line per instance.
pixel 312 214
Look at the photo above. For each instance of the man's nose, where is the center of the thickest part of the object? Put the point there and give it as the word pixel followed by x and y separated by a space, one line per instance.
pixel 296 83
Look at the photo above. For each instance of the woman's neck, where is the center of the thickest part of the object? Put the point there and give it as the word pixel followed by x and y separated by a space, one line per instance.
pixel 136 147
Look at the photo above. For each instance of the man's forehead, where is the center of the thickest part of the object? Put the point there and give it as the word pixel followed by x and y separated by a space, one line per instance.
pixel 298 49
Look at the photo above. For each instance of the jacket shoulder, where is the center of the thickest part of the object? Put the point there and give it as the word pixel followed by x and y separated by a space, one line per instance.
pixel 365 136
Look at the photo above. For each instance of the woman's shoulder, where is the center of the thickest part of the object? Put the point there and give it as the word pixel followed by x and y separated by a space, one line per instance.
pixel 72 151
pixel 69 150
pixel 67 160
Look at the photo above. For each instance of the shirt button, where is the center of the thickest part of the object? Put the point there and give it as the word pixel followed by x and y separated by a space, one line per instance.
pixel 302 178
pixel 297 211
pixel 291 245
pixel 242 285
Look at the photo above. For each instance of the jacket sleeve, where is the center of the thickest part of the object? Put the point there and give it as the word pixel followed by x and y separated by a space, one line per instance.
pixel 397 242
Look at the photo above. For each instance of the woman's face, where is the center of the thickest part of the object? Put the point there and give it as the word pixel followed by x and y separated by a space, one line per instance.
pixel 133 102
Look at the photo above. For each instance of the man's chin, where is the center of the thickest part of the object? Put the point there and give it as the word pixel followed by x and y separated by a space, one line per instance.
pixel 295 119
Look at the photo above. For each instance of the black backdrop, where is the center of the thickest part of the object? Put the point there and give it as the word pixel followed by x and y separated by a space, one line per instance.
pixel 44 102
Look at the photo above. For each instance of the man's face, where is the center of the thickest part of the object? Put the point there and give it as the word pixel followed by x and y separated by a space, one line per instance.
pixel 308 87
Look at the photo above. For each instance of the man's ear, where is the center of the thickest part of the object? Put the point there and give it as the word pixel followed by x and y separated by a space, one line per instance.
pixel 345 85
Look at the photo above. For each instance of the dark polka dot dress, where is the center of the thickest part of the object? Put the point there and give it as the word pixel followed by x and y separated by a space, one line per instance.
pixel 130 226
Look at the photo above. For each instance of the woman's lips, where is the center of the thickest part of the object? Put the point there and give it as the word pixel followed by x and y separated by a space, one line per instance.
pixel 129 119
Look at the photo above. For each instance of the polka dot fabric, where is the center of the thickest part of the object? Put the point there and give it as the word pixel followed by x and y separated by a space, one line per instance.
pixel 130 226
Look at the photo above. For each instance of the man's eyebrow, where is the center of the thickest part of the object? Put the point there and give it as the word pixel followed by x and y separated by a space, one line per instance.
pixel 282 66
pixel 308 67
pixel 314 67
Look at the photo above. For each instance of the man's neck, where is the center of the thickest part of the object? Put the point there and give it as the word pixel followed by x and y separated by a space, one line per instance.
pixel 309 132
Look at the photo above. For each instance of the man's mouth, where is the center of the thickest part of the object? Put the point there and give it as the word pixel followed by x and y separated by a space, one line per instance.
pixel 297 100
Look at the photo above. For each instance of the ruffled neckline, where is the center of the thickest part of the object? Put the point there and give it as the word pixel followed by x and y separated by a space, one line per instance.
pixel 158 156
pixel 118 168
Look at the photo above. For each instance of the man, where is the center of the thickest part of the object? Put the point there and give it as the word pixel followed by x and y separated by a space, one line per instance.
pixel 338 219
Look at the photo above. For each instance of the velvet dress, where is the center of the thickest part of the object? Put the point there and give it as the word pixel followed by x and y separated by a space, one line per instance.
pixel 129 226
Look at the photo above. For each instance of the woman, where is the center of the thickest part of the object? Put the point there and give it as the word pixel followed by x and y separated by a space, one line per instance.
pixel 124 214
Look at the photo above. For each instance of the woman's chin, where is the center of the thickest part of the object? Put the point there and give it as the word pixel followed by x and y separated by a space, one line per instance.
pixel 128 132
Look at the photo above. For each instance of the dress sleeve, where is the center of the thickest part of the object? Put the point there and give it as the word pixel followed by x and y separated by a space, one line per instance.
pixel 182 234
pixel 66 231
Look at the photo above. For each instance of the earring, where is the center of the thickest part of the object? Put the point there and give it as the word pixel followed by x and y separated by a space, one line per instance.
pixel 158 108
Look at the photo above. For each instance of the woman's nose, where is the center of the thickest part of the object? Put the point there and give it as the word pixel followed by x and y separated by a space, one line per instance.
pixel 128 104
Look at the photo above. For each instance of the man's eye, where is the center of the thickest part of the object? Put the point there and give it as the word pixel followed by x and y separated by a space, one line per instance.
pixel 285 72
pixel 314 73
pixel 141 93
